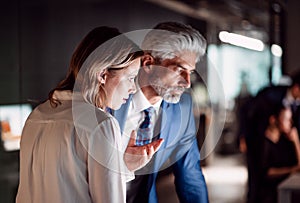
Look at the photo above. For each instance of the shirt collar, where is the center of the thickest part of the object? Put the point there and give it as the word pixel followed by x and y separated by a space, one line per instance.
pixel 140 102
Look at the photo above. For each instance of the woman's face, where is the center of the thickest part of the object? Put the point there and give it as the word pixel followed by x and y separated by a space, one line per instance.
pixel 121 84
pixel 285 121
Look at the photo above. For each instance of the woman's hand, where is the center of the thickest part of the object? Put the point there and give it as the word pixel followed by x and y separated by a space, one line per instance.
pixel 136 157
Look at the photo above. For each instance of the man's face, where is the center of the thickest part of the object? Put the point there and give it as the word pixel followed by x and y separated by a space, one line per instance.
pixel 172 76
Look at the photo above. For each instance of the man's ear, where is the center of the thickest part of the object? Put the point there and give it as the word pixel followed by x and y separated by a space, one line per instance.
pixel 147 61
pixel 101 76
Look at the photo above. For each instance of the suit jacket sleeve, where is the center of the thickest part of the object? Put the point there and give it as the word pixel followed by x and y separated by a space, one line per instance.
pixel 189 180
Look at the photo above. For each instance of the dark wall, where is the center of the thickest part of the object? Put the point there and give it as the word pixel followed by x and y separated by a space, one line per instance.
pixel 39 36
pixel 292 36
pixel 9 76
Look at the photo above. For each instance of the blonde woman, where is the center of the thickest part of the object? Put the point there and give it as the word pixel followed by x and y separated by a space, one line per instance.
pixel 71 147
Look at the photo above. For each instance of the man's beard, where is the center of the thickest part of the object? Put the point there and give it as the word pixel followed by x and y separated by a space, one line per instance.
pixel 169 94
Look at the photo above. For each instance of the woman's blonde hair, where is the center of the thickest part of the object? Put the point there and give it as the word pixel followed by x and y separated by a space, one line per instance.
pixel 103 49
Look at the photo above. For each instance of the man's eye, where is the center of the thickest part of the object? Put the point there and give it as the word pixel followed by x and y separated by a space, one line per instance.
pixel 131 79
pixel 181 70
pixel 178 69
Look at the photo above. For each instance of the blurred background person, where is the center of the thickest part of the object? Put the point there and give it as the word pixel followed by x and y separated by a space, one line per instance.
pixel 257 121
pixel 281 153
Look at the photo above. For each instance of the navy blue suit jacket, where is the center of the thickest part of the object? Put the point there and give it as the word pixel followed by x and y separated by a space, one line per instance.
pixel 179 148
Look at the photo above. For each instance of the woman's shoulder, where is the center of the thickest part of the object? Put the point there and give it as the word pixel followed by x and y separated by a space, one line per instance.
pixel 90 117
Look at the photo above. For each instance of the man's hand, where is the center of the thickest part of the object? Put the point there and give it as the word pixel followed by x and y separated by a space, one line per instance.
pixel 136 157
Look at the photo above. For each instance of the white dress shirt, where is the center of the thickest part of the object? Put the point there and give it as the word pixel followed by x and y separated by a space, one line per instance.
pixel 71 159
pixel 136 115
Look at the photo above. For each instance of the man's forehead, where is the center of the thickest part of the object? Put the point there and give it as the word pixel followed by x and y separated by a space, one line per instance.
pixel 186 59
pixel 187 56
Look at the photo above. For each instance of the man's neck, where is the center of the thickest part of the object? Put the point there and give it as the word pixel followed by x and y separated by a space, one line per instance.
pixel 150 94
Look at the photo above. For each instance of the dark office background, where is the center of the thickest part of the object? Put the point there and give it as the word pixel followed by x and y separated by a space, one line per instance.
pixel 38 36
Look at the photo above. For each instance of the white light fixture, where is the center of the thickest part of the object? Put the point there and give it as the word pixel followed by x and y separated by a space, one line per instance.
pixel 276 50
pixel 241 41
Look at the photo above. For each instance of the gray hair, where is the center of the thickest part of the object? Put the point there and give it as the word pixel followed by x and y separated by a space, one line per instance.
pixel 169 39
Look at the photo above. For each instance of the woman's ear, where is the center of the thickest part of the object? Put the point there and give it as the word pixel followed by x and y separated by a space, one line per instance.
pixel 101 76
pixel 146 62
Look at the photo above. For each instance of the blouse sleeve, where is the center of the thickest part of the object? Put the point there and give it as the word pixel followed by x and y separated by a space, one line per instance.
pixel 107 172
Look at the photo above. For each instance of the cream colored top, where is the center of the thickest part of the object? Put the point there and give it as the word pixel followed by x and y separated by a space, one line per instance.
pixel 71 153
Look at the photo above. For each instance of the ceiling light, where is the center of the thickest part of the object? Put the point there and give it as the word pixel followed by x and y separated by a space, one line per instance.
pixel 276 50
pixel 241 41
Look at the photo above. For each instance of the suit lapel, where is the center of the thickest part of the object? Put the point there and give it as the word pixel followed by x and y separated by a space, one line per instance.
pixel 170 125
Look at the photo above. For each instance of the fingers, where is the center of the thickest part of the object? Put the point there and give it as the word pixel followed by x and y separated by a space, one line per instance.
pixel 152 147
pixel 137 150
pixel 132 139
pixel 137 157
pixel 145 150
pixel 156 144
pixel 150 151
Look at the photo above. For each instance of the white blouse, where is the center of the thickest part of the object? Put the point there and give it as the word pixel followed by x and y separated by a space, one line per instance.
pixel 71 153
